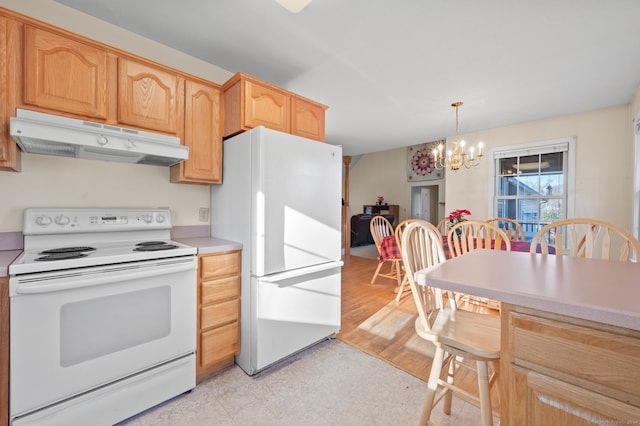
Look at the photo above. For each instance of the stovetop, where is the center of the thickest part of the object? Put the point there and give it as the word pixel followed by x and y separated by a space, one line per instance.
pixel 58 239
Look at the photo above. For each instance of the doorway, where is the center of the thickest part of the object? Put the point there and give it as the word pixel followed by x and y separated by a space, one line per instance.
pixel 425 202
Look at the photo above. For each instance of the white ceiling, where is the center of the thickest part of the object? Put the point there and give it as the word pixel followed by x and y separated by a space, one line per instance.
pixel 389 70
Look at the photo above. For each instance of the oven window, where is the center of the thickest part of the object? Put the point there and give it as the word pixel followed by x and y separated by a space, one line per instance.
pixel 96 327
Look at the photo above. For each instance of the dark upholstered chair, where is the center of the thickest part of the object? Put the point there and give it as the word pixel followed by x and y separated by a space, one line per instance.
pixel 360 233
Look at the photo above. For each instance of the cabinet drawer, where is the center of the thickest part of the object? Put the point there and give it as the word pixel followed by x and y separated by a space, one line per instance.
pixel 220 289
pixel 218 344
pixel 220 313
pixel 220 264
pixel 602 361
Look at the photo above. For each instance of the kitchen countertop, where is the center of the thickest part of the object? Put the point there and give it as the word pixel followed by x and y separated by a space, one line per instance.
pixel 591 289
pixel 6 257
pixel 207 245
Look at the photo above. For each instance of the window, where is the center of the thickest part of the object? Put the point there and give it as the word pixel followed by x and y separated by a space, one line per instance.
pixel 533 182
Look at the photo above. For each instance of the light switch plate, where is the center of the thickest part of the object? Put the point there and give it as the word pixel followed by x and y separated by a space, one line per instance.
pixel 203 214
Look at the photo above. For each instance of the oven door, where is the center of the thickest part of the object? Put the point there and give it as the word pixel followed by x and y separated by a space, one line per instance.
pixel 77 330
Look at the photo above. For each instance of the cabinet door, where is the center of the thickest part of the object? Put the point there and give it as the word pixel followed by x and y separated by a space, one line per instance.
pixel 307 119
pixel 64 74
pixel 549 401
pixel 202 134
pixel 267 107
pixel 9 66
pixel 148 97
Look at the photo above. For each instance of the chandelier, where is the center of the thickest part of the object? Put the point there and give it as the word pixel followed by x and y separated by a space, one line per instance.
pixel 457 157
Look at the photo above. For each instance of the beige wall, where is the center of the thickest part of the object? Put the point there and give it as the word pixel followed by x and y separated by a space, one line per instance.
pixel 47 181
pixel 604 167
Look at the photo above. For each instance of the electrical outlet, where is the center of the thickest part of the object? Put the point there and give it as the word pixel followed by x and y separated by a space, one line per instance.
pixel 203 214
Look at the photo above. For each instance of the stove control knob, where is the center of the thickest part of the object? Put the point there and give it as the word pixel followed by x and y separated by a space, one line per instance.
pixel 43 220
pixel 102 140
pixel 160 218
pixel 62 220
pixel 147 218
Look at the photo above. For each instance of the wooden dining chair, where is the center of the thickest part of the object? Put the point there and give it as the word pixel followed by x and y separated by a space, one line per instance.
pixel 443 226
pixel 589 238
pixel 398 233
pixel 456 334
pixel 471 235
pixel 511 227
pixel 380 227
pixel 475 234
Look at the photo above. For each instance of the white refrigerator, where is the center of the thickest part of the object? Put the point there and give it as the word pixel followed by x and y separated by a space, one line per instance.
pixel 281 198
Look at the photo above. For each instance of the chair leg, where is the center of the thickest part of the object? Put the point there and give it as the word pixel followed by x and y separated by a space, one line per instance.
pixel 432 386
pixel 448 398
pixel 405 280
pixel 375 275
pixel 485 397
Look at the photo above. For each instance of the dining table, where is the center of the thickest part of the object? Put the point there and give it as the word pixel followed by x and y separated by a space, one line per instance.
pixel 570 340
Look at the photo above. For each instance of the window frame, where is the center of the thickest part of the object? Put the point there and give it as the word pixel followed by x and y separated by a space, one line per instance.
pixel 566 144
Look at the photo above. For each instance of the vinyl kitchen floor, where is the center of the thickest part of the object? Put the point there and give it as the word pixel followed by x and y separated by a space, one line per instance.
pixel 330 383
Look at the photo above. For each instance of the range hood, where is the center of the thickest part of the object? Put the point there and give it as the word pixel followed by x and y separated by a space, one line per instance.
pixel 40 133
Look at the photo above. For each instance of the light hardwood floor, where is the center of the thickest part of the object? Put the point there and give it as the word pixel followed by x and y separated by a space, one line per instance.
pixel 361 300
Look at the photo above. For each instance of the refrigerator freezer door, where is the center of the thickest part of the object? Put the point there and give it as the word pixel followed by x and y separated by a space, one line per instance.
pixel 292 312
pixel 297 186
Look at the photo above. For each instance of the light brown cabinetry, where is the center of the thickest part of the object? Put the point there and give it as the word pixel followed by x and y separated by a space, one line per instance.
pixel 560 370
pixel 9 38
pixel 48 69
pixel 202 134
pixel 307 118
pixel 65 75
pixel 218 312
pixel 149 97
pixel 250 102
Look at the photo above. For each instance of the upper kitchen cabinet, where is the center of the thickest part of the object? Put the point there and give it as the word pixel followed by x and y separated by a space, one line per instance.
pixel 149 97
pixel 202 134
pixel 9 152
pixel 65 75
pixel 250 102
pixel 307 118
pixel 48 69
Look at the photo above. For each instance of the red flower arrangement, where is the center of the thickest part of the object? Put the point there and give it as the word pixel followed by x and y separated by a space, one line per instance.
pixel 457 216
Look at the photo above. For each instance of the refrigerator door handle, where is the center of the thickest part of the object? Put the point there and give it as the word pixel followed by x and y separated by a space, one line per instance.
pixel 273 278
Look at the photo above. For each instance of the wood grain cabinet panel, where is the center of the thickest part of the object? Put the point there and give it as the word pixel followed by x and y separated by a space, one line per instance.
pixel 561 370
pixel 218 331
pixel 250 102
pixel 9 64
pixel 149 97
pixel 64 75
pixel 217 346
pixel 202 134
pixel 265 106
pixel 307 118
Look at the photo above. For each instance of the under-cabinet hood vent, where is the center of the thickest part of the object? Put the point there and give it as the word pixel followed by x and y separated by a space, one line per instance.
pixel 41 133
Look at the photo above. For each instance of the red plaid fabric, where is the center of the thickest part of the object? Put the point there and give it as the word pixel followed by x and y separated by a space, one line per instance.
pixel 389 249
pixel 522 246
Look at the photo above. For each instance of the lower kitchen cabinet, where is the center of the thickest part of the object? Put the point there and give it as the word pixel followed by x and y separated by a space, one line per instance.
pixel 558 370
pixel 218 311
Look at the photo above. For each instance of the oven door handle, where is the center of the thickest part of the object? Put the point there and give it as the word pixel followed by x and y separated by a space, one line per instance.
pixel 101 277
